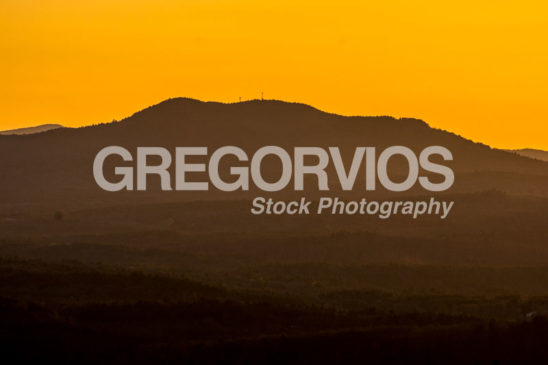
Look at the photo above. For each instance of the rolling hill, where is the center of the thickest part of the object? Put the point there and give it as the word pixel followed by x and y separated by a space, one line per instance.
pixel 532 153
pixel 55 167
pixel 31 130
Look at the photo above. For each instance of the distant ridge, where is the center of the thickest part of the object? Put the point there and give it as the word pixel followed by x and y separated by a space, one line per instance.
pixel 532 153
pixel 56 167
pixel 31 130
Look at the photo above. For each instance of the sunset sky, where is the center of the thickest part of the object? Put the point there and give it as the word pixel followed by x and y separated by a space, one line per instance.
pixel 476 68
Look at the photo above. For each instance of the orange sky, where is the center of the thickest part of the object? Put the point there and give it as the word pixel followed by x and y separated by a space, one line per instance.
pixel 477 68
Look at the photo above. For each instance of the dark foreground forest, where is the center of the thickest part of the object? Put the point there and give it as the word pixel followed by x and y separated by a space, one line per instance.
pixel 71 313
pixel 153 284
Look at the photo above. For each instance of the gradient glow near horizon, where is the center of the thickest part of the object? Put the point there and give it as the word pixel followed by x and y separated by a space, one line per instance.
pixel 479 69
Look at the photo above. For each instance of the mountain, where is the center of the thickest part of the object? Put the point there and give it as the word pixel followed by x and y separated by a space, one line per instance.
pixel 55 167
pixel 51 206
pixel 171 275
pixel 532 153
pixel 161 274
pixel 31 130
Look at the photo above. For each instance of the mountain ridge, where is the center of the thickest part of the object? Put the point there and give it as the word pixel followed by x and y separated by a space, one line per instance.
pixel 31 130
pixel 57 165
pixel 531 153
